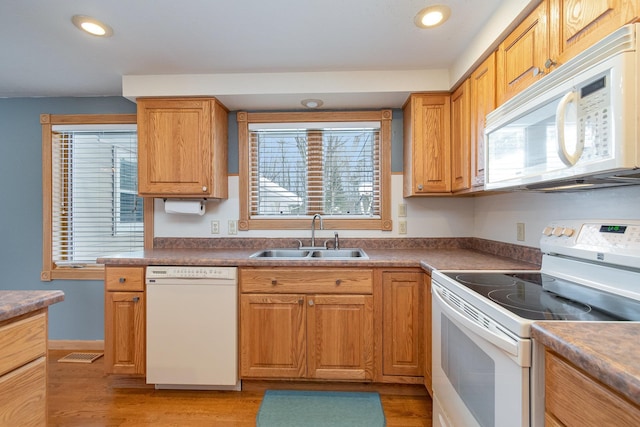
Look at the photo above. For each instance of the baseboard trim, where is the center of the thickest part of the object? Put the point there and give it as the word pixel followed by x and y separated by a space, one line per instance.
pixel 76 345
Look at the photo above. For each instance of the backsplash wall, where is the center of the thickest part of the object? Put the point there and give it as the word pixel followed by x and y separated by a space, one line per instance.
pixel 491 216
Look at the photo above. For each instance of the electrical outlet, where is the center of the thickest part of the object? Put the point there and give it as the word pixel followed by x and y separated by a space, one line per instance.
pixel 520 231
pixel 402 209
pixel 402 227
pixel 215 227
pixel 233 226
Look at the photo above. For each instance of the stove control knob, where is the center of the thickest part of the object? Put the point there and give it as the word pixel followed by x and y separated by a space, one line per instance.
pixel 558 231
pixel 547 231
pixel 568 232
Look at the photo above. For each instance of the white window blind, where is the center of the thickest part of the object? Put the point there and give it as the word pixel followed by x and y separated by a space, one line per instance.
pixel 304 169
pixel 95 207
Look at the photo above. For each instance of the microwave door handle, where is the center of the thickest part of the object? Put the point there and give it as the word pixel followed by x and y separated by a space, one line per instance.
pixel 503 342
pixel 567 158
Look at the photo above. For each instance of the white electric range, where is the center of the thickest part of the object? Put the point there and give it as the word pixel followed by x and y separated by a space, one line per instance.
pixel 487 371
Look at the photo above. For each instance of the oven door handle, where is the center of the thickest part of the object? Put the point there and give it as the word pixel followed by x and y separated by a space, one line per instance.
pixel 502 341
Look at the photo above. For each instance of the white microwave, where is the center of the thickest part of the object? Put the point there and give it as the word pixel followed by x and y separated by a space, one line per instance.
pixel 576 128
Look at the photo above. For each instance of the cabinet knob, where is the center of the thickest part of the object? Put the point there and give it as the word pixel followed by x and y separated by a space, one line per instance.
pixel 420 187
pixel 204 188
pixel 549 63
pixel 301 301
pixel 136 299
pixel 537 71
pixel 311 303
pixel 274 282
pixel 122 279
pixel 338 282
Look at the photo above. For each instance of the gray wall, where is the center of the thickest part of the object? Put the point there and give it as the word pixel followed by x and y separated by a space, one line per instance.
pixel 81 315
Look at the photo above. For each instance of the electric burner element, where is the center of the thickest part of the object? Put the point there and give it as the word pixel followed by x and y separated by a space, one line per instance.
pixel 530 301
pixel 486 279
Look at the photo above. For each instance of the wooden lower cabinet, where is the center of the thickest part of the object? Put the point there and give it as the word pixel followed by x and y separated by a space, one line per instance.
pixel 574 398
pixel 427 334
pixel 402 324
pixel 125 321
pixel 23 371
pixel 273 337
pixel 324 331
pixel 307 336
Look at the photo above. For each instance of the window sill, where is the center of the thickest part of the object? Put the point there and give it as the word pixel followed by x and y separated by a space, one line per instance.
pixel 83 273
pixel 304 224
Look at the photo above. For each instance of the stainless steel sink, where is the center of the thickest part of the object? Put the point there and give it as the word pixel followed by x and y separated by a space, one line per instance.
pixel 281 253
pixel 339 253
pixel 335 254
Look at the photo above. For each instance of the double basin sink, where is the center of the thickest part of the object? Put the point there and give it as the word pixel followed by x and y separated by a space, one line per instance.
pixel 311 253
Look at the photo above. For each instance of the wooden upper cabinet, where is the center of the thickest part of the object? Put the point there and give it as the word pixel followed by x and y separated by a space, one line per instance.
pixel 427 149
pixel 577 24
pixel 460 138
pixel 483 101
pixel 182 147
pixel 555 32
pixel 522 55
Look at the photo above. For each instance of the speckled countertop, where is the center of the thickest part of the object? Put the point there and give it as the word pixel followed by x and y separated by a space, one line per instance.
pixel 16 303
pixel 608 351
pixel 442 254
pixel 442 259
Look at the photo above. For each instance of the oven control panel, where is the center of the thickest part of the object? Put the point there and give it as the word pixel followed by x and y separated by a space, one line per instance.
pixel 601 240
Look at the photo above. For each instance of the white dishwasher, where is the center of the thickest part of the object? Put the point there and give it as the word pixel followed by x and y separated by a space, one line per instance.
pixel 192 327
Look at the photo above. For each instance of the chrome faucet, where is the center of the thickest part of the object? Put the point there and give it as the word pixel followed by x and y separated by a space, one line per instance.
pixel 313 229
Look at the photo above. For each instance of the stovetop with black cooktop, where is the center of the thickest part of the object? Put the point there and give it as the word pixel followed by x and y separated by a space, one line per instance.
pixel 538 296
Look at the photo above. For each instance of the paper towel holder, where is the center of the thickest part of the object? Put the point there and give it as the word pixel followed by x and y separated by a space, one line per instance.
pixel 185 206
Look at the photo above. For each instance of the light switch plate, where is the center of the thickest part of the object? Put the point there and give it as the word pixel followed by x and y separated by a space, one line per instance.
pixel 402 209
pixel 233 226
pixel 520 231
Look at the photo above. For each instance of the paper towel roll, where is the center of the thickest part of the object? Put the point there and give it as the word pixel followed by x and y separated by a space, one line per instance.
pixel 188 207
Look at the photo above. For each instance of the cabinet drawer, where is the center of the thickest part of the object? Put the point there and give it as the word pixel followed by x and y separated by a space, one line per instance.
pixel 22 341
pixel 23 395
pixel 576 399
pixel 124 279
pixel 305 280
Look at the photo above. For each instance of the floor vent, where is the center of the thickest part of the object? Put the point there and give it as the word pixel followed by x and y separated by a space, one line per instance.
pixel 81 357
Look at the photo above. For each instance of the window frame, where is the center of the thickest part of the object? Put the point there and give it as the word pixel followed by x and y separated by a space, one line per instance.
pixel 49 270
pixel 383 223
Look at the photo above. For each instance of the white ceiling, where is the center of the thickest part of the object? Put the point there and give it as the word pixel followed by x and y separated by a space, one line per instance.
pixel 250 53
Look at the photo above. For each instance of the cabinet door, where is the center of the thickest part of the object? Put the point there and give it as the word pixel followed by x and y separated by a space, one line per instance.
pixel 402 330
pixel 428 369
pixel 23 395
pixel 460 141
pixel 522 55
pixel 340 337
pixel 427 144
pixel 577 24
pixel 483 101
pixel 124 336
pixel 272 336
pixel 181 144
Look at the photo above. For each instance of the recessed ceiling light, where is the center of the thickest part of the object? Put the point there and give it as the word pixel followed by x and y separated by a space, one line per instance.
pixel 92 26
pixel 312 103
pixel 432 16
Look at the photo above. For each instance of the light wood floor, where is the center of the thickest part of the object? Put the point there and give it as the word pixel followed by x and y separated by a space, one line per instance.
pixel 81 395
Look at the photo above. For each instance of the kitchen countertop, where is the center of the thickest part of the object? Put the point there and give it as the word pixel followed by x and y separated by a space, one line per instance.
pixel 16 303
pixel 427 258
pixel 608 351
